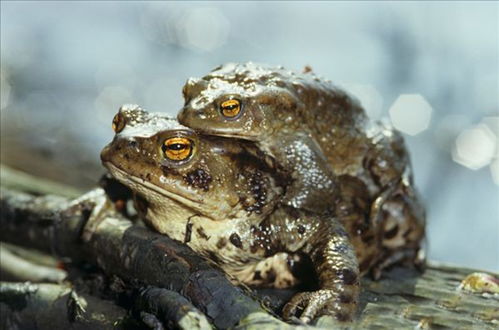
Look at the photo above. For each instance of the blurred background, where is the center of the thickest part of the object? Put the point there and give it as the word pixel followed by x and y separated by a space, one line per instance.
pixel 430 67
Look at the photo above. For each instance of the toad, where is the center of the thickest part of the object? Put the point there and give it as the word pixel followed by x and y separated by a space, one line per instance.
pixel 323 138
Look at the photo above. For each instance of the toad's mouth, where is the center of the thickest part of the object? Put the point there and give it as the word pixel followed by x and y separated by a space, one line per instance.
pixel 228 134
pixel 145 187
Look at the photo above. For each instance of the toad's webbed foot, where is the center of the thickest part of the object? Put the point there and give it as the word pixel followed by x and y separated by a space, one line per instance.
pixel 99 204
pixel 310 305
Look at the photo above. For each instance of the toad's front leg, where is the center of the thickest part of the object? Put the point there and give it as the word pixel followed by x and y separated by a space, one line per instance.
pixel 328 245
pixel 313 185
pixel 100 205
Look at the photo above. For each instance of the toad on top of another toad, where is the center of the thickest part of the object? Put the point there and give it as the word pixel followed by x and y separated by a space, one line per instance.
pixel 264 105
pixel 322 137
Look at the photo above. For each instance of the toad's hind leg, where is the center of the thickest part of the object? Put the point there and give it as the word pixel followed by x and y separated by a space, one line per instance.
pixel 402 230
pixel 332 255
pixel 275 271
pixel 396 213
pixel 409 257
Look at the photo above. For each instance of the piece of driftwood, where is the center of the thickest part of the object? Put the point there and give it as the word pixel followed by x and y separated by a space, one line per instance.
pixel 171 308
pixel 404 298
pixel 53 306
pixel 401 299
pixel 31 255
pixel 17 269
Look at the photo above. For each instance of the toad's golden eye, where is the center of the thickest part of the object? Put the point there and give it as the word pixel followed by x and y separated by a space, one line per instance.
pixel 230 108
pixel 118 123
pixel 177 148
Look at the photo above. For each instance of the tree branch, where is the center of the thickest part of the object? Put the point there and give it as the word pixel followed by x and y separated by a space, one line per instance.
pixel 52 306
pixel 15 268
pixel 171 308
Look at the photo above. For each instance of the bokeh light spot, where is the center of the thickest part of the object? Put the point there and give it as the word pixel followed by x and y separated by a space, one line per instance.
pixel 475 147
pixel 410 113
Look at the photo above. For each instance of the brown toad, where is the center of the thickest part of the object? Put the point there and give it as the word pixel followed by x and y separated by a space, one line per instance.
pixel 323 138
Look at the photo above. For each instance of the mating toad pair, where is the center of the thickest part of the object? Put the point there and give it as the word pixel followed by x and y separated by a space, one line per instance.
pixel 274 171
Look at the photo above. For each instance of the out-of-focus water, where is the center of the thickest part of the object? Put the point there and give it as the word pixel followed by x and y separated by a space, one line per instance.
pixel 431 67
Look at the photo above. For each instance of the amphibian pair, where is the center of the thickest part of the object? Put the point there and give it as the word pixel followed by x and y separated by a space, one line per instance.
pixel 286 168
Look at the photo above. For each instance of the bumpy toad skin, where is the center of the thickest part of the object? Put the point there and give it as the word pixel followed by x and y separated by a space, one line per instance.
pixel 223 201
pixel 324 139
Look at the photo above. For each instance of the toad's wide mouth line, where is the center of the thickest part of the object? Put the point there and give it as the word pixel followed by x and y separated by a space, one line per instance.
pixel 128 177
pixel 212 132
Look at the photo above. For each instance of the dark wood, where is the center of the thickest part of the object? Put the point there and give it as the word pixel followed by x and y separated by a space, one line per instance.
pixel 53 306
pixel 171 308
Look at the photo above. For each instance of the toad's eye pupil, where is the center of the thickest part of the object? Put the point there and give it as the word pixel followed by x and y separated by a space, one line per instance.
pixel 177 146
pixel 230 108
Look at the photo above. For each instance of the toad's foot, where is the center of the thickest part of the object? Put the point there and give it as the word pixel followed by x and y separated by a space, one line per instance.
pixel 100 206
pixel 318 303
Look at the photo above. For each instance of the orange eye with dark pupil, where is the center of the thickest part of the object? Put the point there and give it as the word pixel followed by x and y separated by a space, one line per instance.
pixel 118 123
pixel 231 108
pixel 177 148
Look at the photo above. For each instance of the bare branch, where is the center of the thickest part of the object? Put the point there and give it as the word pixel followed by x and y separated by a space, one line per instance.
pixel 15 268
pixel 171 308
pixel 51 306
